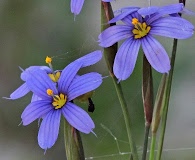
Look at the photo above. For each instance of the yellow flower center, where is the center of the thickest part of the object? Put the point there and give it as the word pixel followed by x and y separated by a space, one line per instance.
pixel 58 100
pixel 140 29
pixel 54 76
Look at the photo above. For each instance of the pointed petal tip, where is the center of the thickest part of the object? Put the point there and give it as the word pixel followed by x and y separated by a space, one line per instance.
pixel 20 124
pixel 88 131
pixel 21 68
pixel 164 70
pixel 49 129
pixel 78 118
pixel 7 98
pixel 93 133
pixel 11 98
pixel 76 6
pixel 119 81
pixel 102 45
pixel 23 123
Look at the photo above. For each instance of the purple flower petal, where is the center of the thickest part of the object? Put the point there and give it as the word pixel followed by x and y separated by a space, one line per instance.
pixel 114 34
pixel 125 59
pixel 35 98
pixel 173 27
pixel 83 84
pixel 128 19
pixel 126 12
pixel 166 10
pixel 25 73
pixel 170 9
pixel 148 10
pixel 90 58
pixel 67 75
pixel 35 110
pixel 76 6
pixel 71 70
pixel 38 82
pixel 78 118
pixel 19 92
pixel 156 54
pixel 49 129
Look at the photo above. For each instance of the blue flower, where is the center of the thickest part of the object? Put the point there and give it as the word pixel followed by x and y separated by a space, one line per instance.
pixel 139 28
pixel 77 5
pixel 57 97
pixel 21 91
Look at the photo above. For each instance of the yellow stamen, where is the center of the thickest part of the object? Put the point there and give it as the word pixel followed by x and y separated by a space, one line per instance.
pixel 54 77
pixel 59 101
pixel 135 21
pixel 48 60
pixel 140 29
pixel 49 92
pixel 57 75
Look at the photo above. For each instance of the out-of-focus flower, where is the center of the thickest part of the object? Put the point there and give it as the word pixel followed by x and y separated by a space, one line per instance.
pixel 140 26
pixel 77 5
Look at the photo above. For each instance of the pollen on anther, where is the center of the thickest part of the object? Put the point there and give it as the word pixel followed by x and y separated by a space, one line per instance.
pixel 48 60
pixel 135 21
pixel 49 92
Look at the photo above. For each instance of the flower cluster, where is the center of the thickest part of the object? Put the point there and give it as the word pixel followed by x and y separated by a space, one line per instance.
pixel 53 95
pixel 140 26
pixel 54 91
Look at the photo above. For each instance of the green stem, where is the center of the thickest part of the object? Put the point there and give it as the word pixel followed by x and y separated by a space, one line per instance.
pixel 167 97
pixel 147 96
pixel 126 118
pixel 152 147
pixel 109 54
pixel 158 107
pixel 73 143
pixel 145 147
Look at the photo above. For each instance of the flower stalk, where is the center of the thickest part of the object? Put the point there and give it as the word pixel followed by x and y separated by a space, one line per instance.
pixel 109 53
pixel 157 114
pixel 152 146
pixel 166 101
pixel 147 96
pixel 167 95
pixel 73 143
